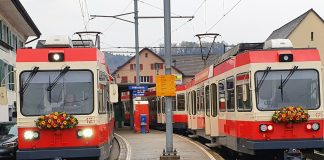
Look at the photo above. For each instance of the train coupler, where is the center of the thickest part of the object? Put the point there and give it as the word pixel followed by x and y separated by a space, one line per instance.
pixel 293 154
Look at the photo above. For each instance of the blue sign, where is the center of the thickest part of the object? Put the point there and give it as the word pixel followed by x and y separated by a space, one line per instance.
pixel 137 94
pixel 145 88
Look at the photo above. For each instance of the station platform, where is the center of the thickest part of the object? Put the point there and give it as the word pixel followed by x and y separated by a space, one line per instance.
pixel 149 146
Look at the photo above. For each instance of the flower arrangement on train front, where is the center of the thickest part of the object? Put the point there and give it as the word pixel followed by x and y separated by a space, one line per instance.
pixel 56 121
pixel 290 114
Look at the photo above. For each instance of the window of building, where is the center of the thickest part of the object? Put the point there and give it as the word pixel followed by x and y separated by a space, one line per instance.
pixel 11 77
pixel 230 96
pixel 146 55
pixel 124 79
pixel 312 36
pixel 145 79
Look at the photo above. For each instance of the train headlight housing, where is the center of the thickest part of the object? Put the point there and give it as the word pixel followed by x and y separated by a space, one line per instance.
pixel 56 57
pixel 263 127
pixel 315 126
pixel 85 133
pixel 31 135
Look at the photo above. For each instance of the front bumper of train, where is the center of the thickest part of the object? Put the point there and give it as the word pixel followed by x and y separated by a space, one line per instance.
pixel 285 144
pixel 59 153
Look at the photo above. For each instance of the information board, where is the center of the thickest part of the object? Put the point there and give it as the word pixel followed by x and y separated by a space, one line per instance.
pixel 165 85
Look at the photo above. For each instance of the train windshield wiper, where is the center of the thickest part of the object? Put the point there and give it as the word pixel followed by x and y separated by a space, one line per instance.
pixel 284 82
pixel 265 74
pixel 62 73
pixel 27 82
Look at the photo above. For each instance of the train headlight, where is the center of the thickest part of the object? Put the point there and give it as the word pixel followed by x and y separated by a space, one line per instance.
pixel 270 127
pixel 263 127
pixel 308 126
pixel 85 133
pixel 30 135
pixel 315 126
pixel 56 57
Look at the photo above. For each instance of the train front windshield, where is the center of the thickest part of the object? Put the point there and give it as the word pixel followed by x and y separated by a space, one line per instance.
pixel 276 89
pixel 44 92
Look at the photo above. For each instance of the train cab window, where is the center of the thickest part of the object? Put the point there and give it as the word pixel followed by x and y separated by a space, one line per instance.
pixel 230 95
pixel 279 88
pixel 194 104
pixel 180 102
pixel 38 98
pixel 213 98
pixel 187 101
pixel 174 106
pixel 243 94
pixel 207 101
pixel 221 96
pixel 103 105
pixel 163 104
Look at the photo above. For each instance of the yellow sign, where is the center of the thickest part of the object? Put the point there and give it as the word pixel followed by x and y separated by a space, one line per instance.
pixel 165 85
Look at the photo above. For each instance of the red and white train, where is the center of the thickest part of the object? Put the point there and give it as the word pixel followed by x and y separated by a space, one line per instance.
pixel 231 103
pixel 45 77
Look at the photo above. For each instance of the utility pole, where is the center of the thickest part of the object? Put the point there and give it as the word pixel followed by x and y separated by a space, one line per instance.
pixel 168 153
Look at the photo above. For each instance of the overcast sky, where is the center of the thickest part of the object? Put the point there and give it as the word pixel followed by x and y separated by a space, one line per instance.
pixel 249 21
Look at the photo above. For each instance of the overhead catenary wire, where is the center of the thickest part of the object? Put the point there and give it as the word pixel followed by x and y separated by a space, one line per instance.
pixel 183 24
pixel 82 14
pixel 156 7
pixel 116 19
pixel 212 27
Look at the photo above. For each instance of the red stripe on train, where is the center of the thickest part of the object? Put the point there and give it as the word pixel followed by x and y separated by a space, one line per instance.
pixel 250 130
pixel 70 54
pixel 65 138
pixel 180 118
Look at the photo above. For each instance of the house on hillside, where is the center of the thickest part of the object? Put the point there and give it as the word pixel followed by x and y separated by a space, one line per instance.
pixel 151 65
pixel 305 31
pixel 15 28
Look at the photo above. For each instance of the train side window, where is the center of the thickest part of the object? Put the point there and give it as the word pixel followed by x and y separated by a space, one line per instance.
pixel 174 107
pixel 202 98
pixel 230 95
pixel 181 102
pixel 243 93
pixel 213 98
pixel 163 104
pixel 101 101
pixel 158 106
pixel 194 104
pixel 207 101
pixel 221 97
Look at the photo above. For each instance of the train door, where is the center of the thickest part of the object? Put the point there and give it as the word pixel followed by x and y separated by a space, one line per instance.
pixel 207 110
pixel 194 105
pixel 221 106
pixel 189 109
pixel 201 108
pixel 214 111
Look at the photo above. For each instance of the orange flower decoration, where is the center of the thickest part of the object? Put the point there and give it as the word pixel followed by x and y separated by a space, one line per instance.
pixel 54 121
pixel 290 114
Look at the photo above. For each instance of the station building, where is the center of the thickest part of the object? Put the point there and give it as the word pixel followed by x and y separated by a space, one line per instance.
pixel 15 28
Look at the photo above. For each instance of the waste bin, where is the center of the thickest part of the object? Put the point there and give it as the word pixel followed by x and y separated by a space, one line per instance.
pixel 143 123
